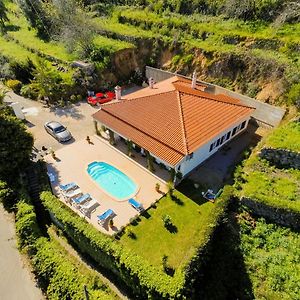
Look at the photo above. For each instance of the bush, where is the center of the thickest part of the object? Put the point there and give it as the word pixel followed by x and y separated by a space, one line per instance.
pixel 29 91
pixel 14 84
pixel 7 196
pixel 145 280
pixel 26 226
pixel 73 98
pixel 167 221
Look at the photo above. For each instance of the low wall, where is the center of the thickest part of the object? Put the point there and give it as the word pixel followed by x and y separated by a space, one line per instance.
pixel 265 114
pixel 279 216
pixel 281 158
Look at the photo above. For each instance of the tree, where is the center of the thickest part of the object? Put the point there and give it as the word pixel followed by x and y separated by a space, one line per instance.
pixel 3 15
pixel 15 145
pixel 47 81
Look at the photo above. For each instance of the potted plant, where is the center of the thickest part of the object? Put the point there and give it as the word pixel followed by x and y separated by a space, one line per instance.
pixel 157 187
pixel 111 223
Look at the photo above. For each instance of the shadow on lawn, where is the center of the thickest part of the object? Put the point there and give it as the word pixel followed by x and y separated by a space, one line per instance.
pixel 187 188
pixel 225 275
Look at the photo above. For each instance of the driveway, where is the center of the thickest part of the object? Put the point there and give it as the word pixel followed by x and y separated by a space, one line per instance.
pixel 16 281
pixel 76 117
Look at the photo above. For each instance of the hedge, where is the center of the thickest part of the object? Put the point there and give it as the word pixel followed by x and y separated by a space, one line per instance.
pixel 62 278
pixel 145 280
pixel 59 277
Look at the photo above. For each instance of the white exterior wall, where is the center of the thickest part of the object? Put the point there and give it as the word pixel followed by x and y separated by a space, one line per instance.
pixel 203 152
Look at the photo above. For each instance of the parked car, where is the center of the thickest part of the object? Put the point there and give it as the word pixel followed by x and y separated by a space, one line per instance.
pixel 100 98
pixel 58 131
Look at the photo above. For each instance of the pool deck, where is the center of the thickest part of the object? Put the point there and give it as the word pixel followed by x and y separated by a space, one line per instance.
pixel 71 166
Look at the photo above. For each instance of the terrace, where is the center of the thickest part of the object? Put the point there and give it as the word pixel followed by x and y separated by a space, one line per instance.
pixel 65 170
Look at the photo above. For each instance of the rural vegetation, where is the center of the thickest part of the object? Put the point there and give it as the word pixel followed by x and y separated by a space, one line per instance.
pixel 248 46
pixel 227 249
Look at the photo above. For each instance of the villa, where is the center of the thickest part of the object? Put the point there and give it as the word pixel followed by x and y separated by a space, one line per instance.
pixel 176 121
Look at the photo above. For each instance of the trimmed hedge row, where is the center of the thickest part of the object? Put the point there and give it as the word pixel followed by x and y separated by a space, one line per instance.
pixel 59 277
pixel 145 280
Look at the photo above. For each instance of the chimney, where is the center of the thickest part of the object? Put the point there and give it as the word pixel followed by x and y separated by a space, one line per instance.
pixel 118 92
pixel 194 80
pixel 151 83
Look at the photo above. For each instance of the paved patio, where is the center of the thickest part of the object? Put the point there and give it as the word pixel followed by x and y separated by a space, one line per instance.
pixel 71 164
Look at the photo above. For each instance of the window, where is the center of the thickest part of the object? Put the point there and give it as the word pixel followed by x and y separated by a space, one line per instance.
pixel 228 135
pixel 243 124
pixel 234 131
pixel 222 139
pixel 211 147
pixel 218 143
pixel 190 156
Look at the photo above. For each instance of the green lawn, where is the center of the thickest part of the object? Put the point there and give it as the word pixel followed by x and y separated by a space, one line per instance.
pixel 286 136
pixel 27 35
pixel 111 44
pixel 268 184
pixel 191 219
pixel 12 50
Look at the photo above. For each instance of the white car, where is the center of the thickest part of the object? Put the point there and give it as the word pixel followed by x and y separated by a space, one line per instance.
pixel 58 131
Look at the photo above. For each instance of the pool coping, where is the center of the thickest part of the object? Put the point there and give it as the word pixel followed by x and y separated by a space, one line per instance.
pixel 107 193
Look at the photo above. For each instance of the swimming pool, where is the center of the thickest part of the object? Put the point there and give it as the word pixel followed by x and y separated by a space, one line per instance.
pixel 112 180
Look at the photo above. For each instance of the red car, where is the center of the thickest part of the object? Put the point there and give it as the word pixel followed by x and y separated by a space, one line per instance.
pixel 100 98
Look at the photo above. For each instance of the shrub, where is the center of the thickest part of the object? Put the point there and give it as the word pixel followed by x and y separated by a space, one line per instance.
pixel 14 84
pixel 26 225
pixel 167 221
pixel 7 196
pixel 145 280
pixel 73 98
pixel 29 91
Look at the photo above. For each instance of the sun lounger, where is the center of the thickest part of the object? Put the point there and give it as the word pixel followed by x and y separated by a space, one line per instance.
pixel 105 216
pixel 89 206
pixel 209 195
pixel 138 206
pixel 81 199
pixel 72 194
pixel 68 187
pixel 51 176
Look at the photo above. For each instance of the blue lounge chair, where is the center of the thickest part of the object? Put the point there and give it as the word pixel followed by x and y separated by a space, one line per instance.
pixel 67 187
pixel 81 199
pixel 102 218
pixel 138 206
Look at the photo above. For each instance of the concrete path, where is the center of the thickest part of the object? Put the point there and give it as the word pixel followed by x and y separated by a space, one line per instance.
pixel 77 117
pixel 16 281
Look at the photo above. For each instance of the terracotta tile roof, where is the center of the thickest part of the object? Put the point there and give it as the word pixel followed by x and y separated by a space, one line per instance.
pixel 172 120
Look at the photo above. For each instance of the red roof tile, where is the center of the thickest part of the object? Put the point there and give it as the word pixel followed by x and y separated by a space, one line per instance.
pixel 173 121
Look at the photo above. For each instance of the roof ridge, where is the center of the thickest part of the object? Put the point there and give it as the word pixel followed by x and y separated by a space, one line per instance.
pixel 139 98
pixel 156 139
pixel 182 122
pixel 208 96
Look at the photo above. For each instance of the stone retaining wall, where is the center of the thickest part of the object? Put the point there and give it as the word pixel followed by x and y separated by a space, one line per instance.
pixel 279 216
pixel 281 158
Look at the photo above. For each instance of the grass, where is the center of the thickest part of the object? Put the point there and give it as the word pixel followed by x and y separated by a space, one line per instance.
pixel 152 240
pixel 110 44
pixel 271 255
pixel 286 137
pixel 274 187
pixel 27 35
pixel 14 51
pixel 268 184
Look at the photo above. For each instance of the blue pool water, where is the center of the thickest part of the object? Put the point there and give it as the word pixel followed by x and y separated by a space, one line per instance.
pixel 112 180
